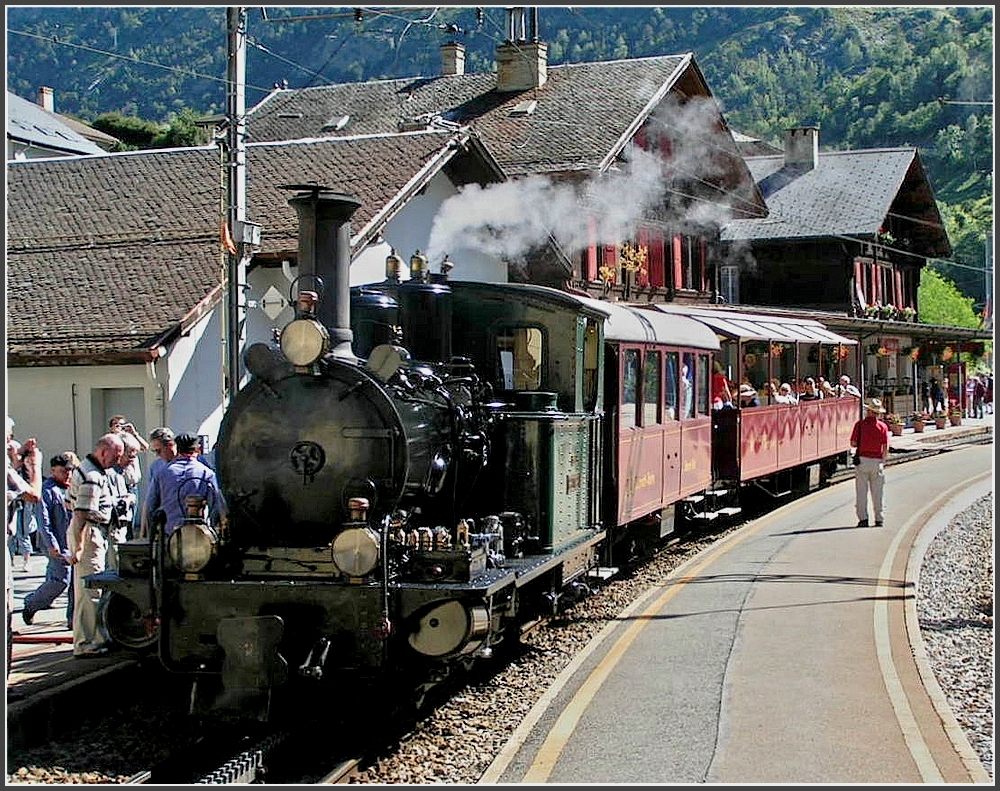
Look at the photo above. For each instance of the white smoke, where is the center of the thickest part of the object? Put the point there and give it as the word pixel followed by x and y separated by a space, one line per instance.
pixel 510 219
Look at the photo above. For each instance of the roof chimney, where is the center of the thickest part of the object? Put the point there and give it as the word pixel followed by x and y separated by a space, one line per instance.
pixel 46 99
pixel 802 147
pixel 522 60
pixel 452 58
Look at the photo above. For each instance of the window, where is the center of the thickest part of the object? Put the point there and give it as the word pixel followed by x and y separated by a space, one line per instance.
pixel 630 387
pixel 651 389
pixel 670 398
pixel 520 355
pixel 729 283
pixel 687 386
pixel 591 356
pixel 702 384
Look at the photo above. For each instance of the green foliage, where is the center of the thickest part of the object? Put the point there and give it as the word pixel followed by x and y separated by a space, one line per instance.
pixel 940 302
pixel 131 131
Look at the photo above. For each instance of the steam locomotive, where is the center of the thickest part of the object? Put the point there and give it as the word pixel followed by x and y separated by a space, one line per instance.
pixel 416 468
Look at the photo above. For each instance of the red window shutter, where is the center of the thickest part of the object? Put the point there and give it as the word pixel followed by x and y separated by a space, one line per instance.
pixel 655 263
pixel 678 258
pixel 898 301
pixel 876 282
pixel 590 254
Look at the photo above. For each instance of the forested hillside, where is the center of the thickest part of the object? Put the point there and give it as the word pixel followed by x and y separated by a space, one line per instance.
pixel 869 77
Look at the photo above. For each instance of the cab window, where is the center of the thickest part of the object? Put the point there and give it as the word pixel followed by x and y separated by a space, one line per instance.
pixel 519 350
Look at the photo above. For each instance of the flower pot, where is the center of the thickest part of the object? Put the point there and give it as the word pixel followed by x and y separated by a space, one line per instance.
pixel 896 429
pixel 918 427
pixel 940 422
pixel 956 420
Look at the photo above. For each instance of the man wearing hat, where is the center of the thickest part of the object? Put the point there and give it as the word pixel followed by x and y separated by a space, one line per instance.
pixel 748 396
pixel 871 438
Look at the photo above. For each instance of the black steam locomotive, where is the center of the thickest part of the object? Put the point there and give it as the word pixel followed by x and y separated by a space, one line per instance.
pixel 415 469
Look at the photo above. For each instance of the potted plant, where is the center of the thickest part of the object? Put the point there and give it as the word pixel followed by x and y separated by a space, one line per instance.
pixel 940 419
pixel 895 423
pixel 955 415
pixel 918 420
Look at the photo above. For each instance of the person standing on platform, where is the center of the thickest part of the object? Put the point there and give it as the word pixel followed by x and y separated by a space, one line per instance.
pixel 937 396
pixel 52 539
pixel 29 515
pixel 870 436
pixel 185 477
pixel 123 487
pixel 92 501
pixel 163 443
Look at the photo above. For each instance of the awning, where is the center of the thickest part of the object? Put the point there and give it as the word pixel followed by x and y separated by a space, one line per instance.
pixel 759 326
pixel 641 325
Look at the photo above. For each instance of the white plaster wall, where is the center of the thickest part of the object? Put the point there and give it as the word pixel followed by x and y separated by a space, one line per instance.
pixel 52 404
pixel 194 379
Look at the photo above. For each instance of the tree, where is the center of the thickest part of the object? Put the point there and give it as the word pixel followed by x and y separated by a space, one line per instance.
pixel 940 302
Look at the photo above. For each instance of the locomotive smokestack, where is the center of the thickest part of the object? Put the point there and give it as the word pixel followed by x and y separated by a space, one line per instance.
pixel 325 259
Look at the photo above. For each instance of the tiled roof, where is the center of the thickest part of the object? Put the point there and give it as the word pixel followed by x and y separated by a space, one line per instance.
pixel 30 124
pixel 122 248
pixel 582 110
pixel 848 193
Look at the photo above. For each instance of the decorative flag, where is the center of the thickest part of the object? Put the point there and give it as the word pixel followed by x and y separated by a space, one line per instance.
pixel 227 238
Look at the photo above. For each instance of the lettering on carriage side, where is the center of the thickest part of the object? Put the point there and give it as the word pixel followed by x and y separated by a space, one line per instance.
pixel 649 479
pixel 690 465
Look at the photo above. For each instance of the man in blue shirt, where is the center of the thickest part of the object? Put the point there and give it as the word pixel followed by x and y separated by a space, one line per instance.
pixel 163 443
pixel 181 478
pixel 52 538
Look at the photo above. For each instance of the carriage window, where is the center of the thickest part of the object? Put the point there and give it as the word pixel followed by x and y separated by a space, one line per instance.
pixel 687 385
pixel 670 392
pixel 630 386
pixel 651 389
pixel 702 384
pixel 755 355
pixel 520 351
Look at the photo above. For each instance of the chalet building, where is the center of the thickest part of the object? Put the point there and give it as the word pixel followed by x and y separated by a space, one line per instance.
pixel 846 230
pixel 845 239
pixel 639 145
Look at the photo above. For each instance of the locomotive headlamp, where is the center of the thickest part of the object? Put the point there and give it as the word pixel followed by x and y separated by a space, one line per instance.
pixel 191 547
pixel 355 551
pixel 304 341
